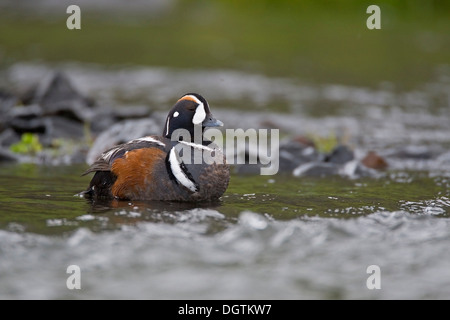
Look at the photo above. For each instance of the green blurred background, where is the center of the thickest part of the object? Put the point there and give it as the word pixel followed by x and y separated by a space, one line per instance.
pixel 314 41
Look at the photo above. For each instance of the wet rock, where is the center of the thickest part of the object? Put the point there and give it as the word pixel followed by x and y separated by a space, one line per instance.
pixel 8 137
pixel 374 161
pixel 316 169
pixel 444 158
pixel 351 169
pixel 48 128
pixel 102 120
pixel 296 152
pixel 120 133
pixel 26 119
pixel 7 102
pixel 25 112
pixel 106 117
pixel 355 169
pixel 340 155
pixel 66 155
pixel 131 112
pixel 8 156
pixel 59 97
pixel 57 127
pixel 78 155
pixel 412 152
pixel 25 124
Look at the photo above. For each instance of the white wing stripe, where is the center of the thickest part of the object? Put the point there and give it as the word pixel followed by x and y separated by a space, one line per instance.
pixel 148 139
pixel 197 146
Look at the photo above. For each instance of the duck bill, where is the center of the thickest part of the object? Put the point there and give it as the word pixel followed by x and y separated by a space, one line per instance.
pixel 210 121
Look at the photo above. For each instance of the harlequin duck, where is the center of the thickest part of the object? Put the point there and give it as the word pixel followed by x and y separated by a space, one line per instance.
pixel 180 165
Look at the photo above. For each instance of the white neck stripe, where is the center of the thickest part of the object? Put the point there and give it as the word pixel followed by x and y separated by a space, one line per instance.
pixel 178 173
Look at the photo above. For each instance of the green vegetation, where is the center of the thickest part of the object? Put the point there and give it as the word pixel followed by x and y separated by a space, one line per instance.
pixel 314 41
pixel 324 144
pixel 29 144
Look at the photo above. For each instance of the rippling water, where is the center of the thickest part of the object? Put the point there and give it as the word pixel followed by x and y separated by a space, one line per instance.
pixel 286 238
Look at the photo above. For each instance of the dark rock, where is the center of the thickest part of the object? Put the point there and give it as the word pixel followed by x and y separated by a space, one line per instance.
pixel 57 127
pixel 25 119
pixel 26 112
pixel 374 161
pixel 59 97
pixel 294 153
pixel 120 133
pixel 7 102
pixel 49 128
pixel 340 155
pixel 8 137
pixel 34 125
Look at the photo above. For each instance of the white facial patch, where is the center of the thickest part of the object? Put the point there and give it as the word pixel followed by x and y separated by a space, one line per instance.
pixel 176 114
pixel 199 115
pixel 177 171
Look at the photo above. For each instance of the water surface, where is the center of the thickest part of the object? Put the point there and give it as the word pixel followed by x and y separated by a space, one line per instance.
pixel 276 237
